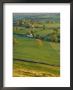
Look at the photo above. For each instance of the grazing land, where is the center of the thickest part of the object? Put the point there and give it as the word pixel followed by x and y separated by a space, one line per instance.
pixel 36 47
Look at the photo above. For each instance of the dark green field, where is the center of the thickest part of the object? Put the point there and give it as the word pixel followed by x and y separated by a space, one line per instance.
pixel 37 56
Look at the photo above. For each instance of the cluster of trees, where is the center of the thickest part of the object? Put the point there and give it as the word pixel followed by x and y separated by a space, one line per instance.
pixel 51 37
pixel 28 23
pixel 22 23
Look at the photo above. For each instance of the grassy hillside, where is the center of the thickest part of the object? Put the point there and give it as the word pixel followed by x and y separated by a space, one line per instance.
pixel 29 49
pixel 36 45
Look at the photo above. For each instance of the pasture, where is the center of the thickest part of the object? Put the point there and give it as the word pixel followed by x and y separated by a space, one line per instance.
pixel 30 49
pixel 36 45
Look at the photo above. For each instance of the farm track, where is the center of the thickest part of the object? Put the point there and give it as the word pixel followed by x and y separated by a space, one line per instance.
pixel 24 60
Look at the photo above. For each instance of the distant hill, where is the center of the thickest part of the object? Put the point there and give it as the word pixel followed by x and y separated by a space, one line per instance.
pixel 37 16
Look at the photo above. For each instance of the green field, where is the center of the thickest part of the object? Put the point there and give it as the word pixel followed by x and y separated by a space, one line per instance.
pixel 48 52
pixel 36 45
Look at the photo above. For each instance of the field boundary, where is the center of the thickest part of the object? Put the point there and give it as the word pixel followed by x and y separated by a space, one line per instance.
pixel 26 60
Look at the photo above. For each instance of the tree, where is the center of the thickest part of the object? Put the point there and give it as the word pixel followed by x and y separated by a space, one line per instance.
pixel 53 37
pixel 39 42
pixel 43 26
pixel 32 32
